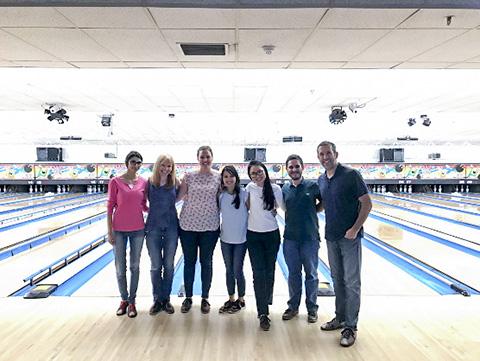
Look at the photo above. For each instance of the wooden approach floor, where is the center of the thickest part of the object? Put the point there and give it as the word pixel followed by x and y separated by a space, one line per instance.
pixel 391 328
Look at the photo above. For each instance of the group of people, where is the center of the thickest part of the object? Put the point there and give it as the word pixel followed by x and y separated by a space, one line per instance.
pixel 216 206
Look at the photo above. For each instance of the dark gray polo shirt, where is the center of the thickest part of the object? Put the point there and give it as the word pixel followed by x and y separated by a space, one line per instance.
pixel 301 221
pixel 340 200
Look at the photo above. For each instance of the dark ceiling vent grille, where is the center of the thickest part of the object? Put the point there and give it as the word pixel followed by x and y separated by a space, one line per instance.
pixel 204 49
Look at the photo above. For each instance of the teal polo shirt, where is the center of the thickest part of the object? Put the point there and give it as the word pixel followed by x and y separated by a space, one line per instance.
pixel 301 222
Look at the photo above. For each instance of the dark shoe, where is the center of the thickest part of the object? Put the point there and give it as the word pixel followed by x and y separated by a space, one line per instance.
pixel 132 310
pixel 348 337
pixel 167 306
pixel 312 316
pixel 205 306
pixel 227 306
pixel 156 308
pixel 289 314
pixel 334 324
pixel 264 322
pixel 122 309
pixel 186 305
pixel 237 306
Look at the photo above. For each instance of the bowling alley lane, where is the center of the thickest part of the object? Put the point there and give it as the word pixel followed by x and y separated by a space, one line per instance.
pixel 34 228
pixel 458 264
pixel 406 214
pixel 412 207
pixel 28 262
pixel 460 204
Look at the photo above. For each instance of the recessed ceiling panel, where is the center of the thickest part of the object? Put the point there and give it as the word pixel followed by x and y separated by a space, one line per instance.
pixel 193 18
pixel 437 18
pixel 32 17
pixel 279 18
pixel 364 18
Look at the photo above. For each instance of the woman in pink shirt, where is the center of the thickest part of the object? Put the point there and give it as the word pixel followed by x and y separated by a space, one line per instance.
pixel 126 204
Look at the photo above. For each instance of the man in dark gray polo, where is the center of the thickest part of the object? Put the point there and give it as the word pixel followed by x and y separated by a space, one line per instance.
pixel 301 239
pixel 347 205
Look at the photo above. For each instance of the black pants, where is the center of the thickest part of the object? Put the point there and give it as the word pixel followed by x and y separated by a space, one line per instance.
pixel 263 249
pixel 191 243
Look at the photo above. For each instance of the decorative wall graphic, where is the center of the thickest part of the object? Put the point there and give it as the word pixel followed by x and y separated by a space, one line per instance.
pixel 472 171
pixel 16 171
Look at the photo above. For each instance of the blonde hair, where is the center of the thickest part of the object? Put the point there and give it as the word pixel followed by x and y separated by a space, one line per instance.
pixel 171 178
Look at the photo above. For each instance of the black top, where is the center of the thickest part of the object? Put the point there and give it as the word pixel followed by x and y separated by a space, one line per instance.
pixel 340 200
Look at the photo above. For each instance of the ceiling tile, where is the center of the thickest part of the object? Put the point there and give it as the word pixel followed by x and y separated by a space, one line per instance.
pixel 32 17
pixel 419 65
pixel 108 17
pixel 279 18
pixel 337 45
pixel 465 66
pixel 364 18
pixel 16 49
pixel 209 65
pixel 369 65
pixel 401 45
pixel 316 65
pixel 133 45
pixel 262 65
pixel 42 64
pixel 455 50
pixel 99 64
pixel 66 44
pixel 193 18
pixel 436 18
pixel 287 44
pixel 152 64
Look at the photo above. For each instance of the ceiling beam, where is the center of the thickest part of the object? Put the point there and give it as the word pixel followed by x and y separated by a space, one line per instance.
pixel 254 4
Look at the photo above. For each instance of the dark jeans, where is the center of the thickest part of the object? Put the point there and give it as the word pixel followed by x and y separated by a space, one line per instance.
pixel 345 259
pixel 191 242
pixel 162 245
pixel 233 256
pixel 300 254
pixel 135 238
pixel 263 249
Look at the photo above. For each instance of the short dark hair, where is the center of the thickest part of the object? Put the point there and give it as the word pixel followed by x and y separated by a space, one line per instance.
pixel 204 147
pixel 132 154
pixel 294 157
pixel 327 143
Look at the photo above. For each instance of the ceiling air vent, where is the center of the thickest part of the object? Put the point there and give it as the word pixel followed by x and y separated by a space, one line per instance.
pixel 204 49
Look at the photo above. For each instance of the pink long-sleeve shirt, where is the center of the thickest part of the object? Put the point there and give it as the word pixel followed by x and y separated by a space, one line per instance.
pixel 126 205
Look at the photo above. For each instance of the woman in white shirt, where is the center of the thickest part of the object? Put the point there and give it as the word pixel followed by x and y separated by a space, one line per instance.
pixel 263 236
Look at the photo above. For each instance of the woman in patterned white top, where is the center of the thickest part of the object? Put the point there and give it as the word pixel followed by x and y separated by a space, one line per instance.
pixel 199 225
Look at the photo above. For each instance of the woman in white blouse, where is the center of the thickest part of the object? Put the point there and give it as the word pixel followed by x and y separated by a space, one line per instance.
pixel 263 236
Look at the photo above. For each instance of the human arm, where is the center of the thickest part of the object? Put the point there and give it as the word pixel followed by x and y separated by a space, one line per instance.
pixel 183 189
pixel 365 207
pixel 111 205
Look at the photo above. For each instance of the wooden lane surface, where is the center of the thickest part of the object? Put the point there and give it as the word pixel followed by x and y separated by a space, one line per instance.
pixel 32 229
pixel 86 328
pixel 445 226
pixel 28 262
pixel 31 202
pixel 451 261
pixel 457 216
pixel 455 203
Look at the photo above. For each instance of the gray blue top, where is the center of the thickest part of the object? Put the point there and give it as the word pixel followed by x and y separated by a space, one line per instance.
pixel 162 213
pixel 233 228
pixel 301 221
pixel 340 200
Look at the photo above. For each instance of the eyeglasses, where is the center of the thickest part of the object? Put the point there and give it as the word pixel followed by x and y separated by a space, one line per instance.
pixel 135 162
pixel 257 173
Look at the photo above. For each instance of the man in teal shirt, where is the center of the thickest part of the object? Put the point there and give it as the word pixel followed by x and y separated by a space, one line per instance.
pixel 301 238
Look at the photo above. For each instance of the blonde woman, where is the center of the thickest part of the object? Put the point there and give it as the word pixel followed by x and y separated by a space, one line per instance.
pixel 162 231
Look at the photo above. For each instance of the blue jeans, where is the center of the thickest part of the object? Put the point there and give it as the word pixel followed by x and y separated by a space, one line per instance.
pixel 298 254
pixel 233 256
pixel 120 250
pixel 162 245
pixel 191 243
pixel 262 249
pixel 345 259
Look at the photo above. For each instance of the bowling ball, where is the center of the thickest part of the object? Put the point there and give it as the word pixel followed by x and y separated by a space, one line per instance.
pixel 151 167
pixel 27 168
pixel 50 176
pixel 419 176
pixel 216 166
pixel 91 168
pixel 459 168
pixel 399 168
pixel 276 168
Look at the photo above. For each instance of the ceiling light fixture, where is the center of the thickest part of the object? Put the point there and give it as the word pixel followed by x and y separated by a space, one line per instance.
pixel 426 120
pixel 411 121
pixel 338 115
pixel 106 120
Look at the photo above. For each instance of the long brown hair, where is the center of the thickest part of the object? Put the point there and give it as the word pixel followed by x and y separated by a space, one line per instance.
pixel 171 178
